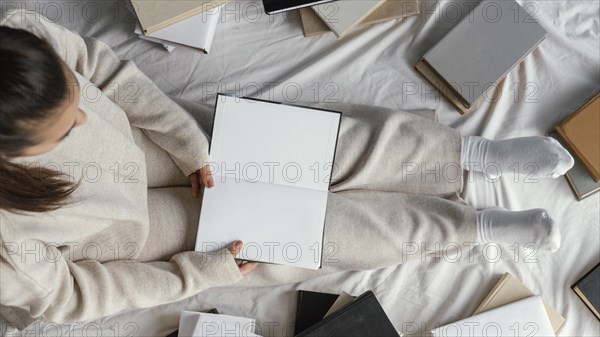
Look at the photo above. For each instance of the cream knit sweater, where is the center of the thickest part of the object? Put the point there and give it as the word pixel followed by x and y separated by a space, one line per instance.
pixel 79 262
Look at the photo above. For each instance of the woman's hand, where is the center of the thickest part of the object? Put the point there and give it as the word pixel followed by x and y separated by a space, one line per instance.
pixel 202 177
pixel 245 267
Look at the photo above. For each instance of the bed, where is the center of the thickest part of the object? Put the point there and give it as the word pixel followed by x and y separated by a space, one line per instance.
pixel 268 57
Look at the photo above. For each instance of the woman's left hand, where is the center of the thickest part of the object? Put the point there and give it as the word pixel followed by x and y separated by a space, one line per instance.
pixel 202 177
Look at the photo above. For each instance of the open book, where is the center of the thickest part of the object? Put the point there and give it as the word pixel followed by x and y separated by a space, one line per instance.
pixel 271 164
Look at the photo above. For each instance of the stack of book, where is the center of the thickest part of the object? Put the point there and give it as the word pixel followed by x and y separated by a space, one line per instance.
pixel 322 314
pixel 190 23
pixel 580 135
pixel 469 62
pixel 510 309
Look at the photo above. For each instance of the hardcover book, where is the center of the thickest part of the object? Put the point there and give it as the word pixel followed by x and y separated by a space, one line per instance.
pixel 479 51
pixel 155 15
pixel 271 165
pixel 581 132
pixel 277 6
pixel 313 25
pixel 588 290
pixel 343 15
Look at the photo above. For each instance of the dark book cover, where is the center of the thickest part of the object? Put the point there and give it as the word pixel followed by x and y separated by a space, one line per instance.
pixel 363 317
pixel 311 307
pixel 588 290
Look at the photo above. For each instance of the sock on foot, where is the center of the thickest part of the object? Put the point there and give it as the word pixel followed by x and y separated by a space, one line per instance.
pixel 497 157
pixel 531 226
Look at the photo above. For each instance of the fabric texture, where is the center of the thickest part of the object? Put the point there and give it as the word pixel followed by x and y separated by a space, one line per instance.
pixel 114 229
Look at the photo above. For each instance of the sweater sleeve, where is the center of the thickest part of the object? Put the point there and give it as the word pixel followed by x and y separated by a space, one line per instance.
pixel 147 107
pixel 37 278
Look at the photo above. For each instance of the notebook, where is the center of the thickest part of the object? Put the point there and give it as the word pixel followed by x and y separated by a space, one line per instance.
pixel 580 180
pixel 479 51
pixel 311 307
pixel 271 164
pixel 391 9
pixel 176 332
pixel 526 317
pixel 276 6
pixel 195 324
pixel 343 15
pixel 508 290
pixel 155 15
pixel 581 132
pixel 362 317
pixel 195 32
pixel 588 290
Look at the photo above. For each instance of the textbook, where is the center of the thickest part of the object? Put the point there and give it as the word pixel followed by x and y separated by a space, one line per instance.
pixel 155 15
pixel 271 164
pixel 588 290
pixel 468 63
pixel 343 15
pixel 313 25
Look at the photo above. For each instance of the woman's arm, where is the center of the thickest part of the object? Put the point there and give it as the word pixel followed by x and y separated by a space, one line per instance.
pixel 44 283
pixel 164 121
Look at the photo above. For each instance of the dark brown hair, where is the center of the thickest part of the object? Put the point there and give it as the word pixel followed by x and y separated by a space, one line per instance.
pixel 32 86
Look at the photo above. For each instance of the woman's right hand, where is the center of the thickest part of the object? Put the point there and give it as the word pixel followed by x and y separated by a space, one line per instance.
pixel 245 267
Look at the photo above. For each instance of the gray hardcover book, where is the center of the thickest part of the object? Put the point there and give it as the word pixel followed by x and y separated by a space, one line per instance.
pixel 581 181
pixel 481 49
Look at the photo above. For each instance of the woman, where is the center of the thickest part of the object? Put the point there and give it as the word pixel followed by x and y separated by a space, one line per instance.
pixel 95 206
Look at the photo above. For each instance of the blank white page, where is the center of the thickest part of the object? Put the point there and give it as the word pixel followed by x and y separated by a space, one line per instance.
pixel 273 143
pixel 271 164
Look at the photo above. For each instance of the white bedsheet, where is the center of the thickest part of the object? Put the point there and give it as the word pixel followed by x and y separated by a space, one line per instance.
pixel 268 57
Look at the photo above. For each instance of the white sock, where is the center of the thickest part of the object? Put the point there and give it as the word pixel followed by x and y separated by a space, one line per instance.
pixel 539 157
pixel 523 227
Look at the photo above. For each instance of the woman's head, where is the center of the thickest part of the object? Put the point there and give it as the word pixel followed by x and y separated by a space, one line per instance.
pixel 39 98
pixel 39 95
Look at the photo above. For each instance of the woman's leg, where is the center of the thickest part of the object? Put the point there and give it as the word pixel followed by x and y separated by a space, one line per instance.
pixel 386 150
pixel 373 229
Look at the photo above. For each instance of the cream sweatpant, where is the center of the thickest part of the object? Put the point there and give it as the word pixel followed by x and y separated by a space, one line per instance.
pixel 395 190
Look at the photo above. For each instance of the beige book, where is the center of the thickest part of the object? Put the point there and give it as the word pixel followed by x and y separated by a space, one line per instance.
pixel 581 132
pixel 155 15
pixel 508 290
pixel 313 25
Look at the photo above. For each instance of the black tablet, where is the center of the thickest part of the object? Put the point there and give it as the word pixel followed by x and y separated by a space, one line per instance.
pixel 276 6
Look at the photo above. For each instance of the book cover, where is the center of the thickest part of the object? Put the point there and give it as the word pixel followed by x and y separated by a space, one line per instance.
pixel 481 49
pixel 155 15
pixel 588 290
pixel 311 307
pixel 581 132
pixel 343 15
pixel 271 165
pixel 362 317
pixel 508 290
pixel 313 25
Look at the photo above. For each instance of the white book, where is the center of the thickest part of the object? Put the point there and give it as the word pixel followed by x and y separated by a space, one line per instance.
pixel 197 31
pixel 271 164
pixel 343 15
pixel 526 317
pixel 193 324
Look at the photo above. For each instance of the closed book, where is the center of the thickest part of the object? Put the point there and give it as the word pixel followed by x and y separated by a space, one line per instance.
pixel 313 25
pixel 525 317
pixel 581 132
pixel 277 6
pixel 363 317
pixel 480 51
pixel 155 15
pixel 581 181
pixel 343 15
pixel 195 32
pixel 508 290
pixel 311 307
pixel 264 158
pixel 588 290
